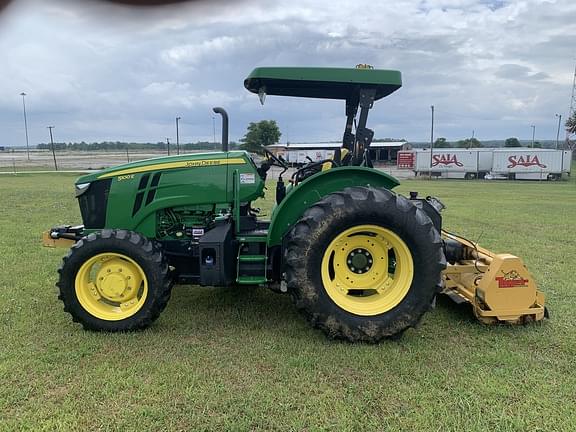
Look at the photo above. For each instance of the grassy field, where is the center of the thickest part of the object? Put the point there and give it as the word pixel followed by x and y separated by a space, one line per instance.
pixel 244 359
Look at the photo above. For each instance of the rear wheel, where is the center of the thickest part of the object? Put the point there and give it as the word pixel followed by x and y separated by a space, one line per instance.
pixel 115 280
pixel 364 264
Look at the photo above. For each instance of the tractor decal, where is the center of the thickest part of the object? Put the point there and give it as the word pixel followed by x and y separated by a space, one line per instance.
pixel 511 279
pixel 525 161
pixel 446 159
pixel 174 165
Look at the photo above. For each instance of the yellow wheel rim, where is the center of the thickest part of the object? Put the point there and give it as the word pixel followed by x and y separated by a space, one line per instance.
pixel 111 286
pixel 367 270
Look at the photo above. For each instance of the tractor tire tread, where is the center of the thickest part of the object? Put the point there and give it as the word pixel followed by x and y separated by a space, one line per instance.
pixel 150 255
pixel 302 248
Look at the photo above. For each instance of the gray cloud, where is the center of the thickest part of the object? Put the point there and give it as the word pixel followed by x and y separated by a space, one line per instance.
pixel 111 72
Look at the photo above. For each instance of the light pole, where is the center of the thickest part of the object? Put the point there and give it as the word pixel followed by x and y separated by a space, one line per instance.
pixel 52 147
pixel 431 139
pixel 25 124
pixel 533 133
pixel 168 145
pixel 177 136
pixel 558 132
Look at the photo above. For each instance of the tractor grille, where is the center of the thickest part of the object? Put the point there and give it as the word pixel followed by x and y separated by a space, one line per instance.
pixel 93 204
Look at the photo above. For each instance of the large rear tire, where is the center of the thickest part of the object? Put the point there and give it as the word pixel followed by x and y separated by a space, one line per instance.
pixel 364 264
pixel 115 280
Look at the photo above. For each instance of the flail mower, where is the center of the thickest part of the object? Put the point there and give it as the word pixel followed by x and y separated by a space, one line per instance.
pixel 362 262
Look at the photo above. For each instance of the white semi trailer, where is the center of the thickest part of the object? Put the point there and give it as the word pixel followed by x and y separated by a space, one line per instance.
pixel 531 163
pixel 454 163
pixel 298 157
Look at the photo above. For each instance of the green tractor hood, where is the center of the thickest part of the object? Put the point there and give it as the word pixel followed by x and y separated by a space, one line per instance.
pixel 166 163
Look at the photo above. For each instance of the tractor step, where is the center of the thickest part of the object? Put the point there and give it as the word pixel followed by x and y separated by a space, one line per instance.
pixel 252 258
pixel 243 238
pixel 251 280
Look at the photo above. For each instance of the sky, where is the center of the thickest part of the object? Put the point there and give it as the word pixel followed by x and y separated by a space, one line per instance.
pixel 99 71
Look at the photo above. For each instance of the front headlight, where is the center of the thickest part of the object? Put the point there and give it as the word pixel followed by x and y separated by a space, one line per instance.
pixel 81 188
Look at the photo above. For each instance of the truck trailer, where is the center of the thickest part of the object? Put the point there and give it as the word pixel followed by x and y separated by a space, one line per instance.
pixel 454 163
pixel 531 163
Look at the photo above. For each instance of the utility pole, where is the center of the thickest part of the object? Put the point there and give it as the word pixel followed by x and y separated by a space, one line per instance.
pixel 533 133
pixel 473 133
pixel 431 140
pixel 25 124
pixel 177 136
pixel 52 147
pixel 558 132
pixel 168 145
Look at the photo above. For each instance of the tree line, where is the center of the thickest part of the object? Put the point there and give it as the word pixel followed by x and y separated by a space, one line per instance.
pixel 119 146
pixel 266 132
pixel 474 143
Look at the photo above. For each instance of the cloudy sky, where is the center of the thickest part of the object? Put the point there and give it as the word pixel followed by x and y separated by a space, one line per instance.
pixel 107 72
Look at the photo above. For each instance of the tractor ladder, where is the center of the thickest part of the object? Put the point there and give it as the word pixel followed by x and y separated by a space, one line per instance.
pixel 252 259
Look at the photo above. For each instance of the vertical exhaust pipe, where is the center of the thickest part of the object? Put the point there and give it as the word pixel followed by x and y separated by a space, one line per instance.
pixel 224 115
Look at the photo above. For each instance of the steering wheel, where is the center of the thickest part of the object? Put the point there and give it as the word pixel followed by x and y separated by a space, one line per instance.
pixel 274 158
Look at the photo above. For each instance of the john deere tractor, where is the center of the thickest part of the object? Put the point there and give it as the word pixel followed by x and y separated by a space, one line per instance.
pixel 360 261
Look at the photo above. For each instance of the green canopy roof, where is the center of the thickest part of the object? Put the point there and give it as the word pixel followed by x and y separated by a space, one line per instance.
pixel 321 82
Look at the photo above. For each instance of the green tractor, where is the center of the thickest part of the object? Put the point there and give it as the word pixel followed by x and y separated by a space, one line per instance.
pixel 362 262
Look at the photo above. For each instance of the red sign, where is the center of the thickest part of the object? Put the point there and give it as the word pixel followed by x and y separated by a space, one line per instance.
pixel 446 159
pixel 405 160
pixel 511 279
pixel 524 161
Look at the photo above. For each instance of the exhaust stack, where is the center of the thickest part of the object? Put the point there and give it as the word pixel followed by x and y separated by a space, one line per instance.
pixel 224 115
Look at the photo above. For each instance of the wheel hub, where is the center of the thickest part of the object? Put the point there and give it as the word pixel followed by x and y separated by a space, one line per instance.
pixel 356 272
pixel 111 286
pixel 359 261
pixel 115 280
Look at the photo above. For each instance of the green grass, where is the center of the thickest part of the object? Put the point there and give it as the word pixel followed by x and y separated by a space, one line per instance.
pixel 244 359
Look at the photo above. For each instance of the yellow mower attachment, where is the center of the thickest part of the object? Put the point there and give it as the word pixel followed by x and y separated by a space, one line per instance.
pixel 498 286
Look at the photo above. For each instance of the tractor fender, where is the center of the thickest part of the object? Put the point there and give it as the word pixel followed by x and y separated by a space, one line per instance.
pixel 316 187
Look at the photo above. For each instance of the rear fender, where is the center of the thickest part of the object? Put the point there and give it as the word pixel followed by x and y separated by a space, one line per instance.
pixel 316 187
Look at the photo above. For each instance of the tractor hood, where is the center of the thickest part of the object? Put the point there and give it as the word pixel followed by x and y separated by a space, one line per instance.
pixel 167 163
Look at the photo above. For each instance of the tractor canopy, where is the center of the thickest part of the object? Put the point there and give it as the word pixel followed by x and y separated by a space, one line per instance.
pixel 322 82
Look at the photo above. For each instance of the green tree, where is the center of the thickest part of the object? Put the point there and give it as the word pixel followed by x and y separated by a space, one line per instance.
pixel 512 142
pixel 442 143
pixel 571 124
pixel 260 134
pixel 469 143
pixel 571 130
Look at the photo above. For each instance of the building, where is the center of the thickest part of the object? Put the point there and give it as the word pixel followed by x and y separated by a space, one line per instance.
pixel 300 153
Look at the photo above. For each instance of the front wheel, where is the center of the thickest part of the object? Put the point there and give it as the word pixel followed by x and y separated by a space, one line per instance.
pixel 115 280
pixel 364 264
